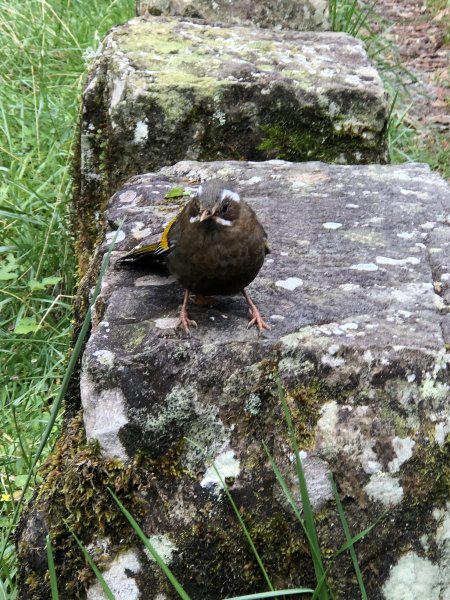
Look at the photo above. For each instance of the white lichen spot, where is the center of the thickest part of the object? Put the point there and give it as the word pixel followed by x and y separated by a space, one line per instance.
pixel 385 489
pixel 403 448
pixel 118 87
pixel 253 180
pixel 140 132
pixel 349 326
pixel 352 205
pixel 119 578
pixel 368 356
pixel 104 416
pixel 397 262
pixel 349 287
pixel 407 235
pixel 139 231
pixel 332 361
pixel 127 197
pixel 333 349
pixel 331 225
pixel 167 323
pixel 365 267
pixel 434 390
pixel 154 280
pixel 412 577
pixel 109 237
pixel 276 318
pixel 226 464
pixel 441 431
pixel 105 357
pixel 291 283
pixel 328 420
pixel 428 225
pixel 163 546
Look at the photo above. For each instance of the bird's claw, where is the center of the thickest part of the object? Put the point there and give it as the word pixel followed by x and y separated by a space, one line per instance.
pixel 186 322
pixel 257 320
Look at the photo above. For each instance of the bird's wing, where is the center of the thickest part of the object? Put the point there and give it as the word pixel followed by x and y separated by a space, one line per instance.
pixel 157 250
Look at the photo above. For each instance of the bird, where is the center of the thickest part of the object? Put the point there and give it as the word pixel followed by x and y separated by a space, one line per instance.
pixel 214 246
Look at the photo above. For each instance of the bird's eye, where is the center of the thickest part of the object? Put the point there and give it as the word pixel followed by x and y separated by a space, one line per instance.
pixel 225 207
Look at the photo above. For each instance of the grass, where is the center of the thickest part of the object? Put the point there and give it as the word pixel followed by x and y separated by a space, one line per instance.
pixel 43 48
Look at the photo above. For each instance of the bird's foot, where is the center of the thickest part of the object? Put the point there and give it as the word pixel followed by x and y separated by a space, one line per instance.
pixel 257 320
pixel 255 315
pixel 185 322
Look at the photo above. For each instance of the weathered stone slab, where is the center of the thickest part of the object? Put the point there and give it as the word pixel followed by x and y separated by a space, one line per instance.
pixel 305 15
pixel 165 90
pixel 356 291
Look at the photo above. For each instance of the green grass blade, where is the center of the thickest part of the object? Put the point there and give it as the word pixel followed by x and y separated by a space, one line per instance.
pixel 64 386
pixel 307 508
pixel 167 572
pixel 348 537
pixel 91 563
pixel 238 515
pixel 51 569
pixel 290 498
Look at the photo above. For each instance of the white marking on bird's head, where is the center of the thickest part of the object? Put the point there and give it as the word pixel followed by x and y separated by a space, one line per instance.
pixel 194 219
pixel 232 195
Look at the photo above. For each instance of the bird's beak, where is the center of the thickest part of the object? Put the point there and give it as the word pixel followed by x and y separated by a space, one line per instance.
pixel 206 214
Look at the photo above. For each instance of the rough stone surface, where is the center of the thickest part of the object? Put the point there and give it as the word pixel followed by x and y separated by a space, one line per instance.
pixel 307 15
pixel 367 316
pixel 167 89
pixel 356 291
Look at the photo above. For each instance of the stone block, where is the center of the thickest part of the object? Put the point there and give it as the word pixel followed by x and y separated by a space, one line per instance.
pixel 307 15
pixel 356 291
pixel 167 89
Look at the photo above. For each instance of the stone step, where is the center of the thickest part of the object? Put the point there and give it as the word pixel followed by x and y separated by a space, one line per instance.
pixel 301 15
pixel 356 292
pixel 167 89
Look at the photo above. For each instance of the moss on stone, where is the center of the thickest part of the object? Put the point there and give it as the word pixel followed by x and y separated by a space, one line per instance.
pixel 75 492
pixel 426 475
pixel 280 543
pixel 309 142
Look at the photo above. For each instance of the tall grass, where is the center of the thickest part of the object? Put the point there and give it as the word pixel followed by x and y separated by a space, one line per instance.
pixel 43 46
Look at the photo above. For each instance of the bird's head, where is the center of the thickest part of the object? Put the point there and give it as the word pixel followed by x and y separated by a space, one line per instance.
pixel 216 202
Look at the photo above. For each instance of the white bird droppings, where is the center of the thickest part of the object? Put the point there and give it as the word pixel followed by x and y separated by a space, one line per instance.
pixel 331 225
pixel 290 283
pixel 365 267
pixel 397 262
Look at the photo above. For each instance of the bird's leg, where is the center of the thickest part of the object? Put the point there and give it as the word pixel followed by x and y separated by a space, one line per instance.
pixel 256 318
pixel 185 321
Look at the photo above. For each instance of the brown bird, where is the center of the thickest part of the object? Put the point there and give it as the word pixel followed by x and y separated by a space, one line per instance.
pixel 215 246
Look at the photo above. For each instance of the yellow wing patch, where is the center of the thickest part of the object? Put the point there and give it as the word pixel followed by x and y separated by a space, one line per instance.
pixel 155 249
